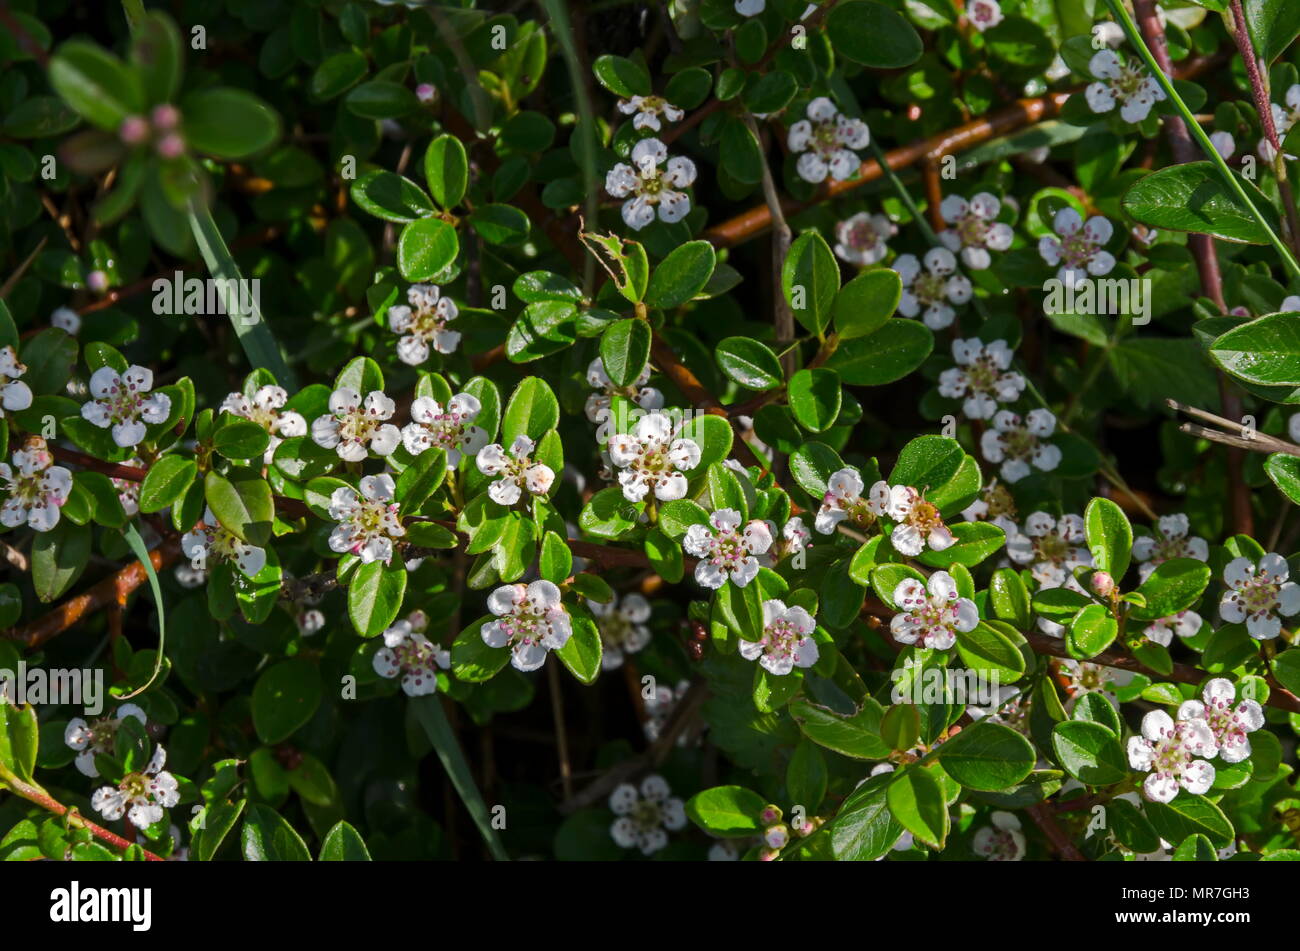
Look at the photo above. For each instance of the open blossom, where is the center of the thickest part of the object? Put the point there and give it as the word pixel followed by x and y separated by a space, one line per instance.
pixel 622 626
pixel 651 187
pixel 932 613
pixel 860 239
pixel 981 377
pixel 1129 84
pixel 422 322
pixel 368 521
pixel 726 552
pixel 1019 444
pixel 354 429
pixel 123 404
pixel 1229 724
pixel 128 490
pixel 795 536
pixel 917 523
pixel 146 793
pixel 646 110
pixel 787 640
pixel 1078 677
pixel 449 428
pixel 1283 121
pixel 1258 594
pixel 1078 248
pixel 995 504
pixel 825 141
pixel 96 737
pixel 1224 144
pixel 210 542
pixel 973 229
pixel 983 14
pixel 1184 624
pixel 933 291
pixel 515 471
pixel 645 816
pixel 659 708
pixel 1167 751
pixel 67 320
pixel 1052 548
pixel 530 620
pixel 843 501
pixel 653 458
pixel 36 489
pixel 750 8
pixel 408 654
pixel 1170 541
pixel 1002 841
pixel 14 393
pixel 599 402
pixel 266 408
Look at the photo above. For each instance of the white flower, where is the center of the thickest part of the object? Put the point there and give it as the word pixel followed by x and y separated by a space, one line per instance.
pixel 995 504
pixel 187 576
pixel 66 319
pixel 1258 594
pixel 1052 548
pixel 843 500
pixel 622 628
pixel 121 404
pixel 652 458
pixel 1167 751
pixel 1224 144
pixel 598 403
pixel 750 8
pixel 408 653
pixel 352 429
pixel 36 488
pixel 724 850
pixel 530 620
pixel 932 292
pixel 981 377
pixel 932 613
pixel 725 552
pixel 659 708
pixel 787 640
pixel 973 229
pixel 861 238
pixel 14 393
pixel 147 794
pixel 91 739
pixel 1283 120
pixel 516 471
pixel 982 15
pixel 1131 85
pixel 1077 249
pixel 1184 624
pixel 1080 677
pixel 796 535
pixel 368 522
pixel 649 186
pixel 1230 725
pixel 309 621
pixel 1017 444
pixel 423 323
pixel 210 541
pixel 128 490
pixel 265 409
pixel 1291 304
pixel 917 523
pixel 647 111
pixel 1170 541
pixel 451 429
pixel 646 817
pixel 1003 841
pixel 826 140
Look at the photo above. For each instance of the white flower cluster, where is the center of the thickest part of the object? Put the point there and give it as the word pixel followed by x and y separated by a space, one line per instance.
pixel 917 523
pixel 825 142
pixel 650 188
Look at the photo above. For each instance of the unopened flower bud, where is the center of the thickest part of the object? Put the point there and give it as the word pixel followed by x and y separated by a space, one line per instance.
pixel 97 281
pixel 133 130
pixel 165 117
pixel 172 146
pixel 425 92
pixel 770 814
pixel 776 836
pixel 1103 585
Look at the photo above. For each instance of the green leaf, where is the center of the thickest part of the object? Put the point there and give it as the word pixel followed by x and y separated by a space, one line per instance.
pixel 284 698
pixel 749 363
pixel 1089 752
pixel 420 480
pixel 1190 815
pixel 1273 26
pixel 1010 598
pixel 381 99
pixel 391 197
pixel 987 756
pixel 1286 667
pixel 581 652
pixel 806 776
pixel 267 837
pixel 472 660
pixel 900 727
pixel 1110 537
pixel 727 811
pixel 156 51
pixel 1092 631
pixel 856 736
pixel 1020 43
pixel 166 482
pixel 229 123
pixel 426 248
pixel 19 737
pixel 888 354
pixel 917 801
pixel 59 557
pixel 99 86
pixel 502 225
pixel 621 76
pixel 810 279
pixel 681 275
pixel 1265 351
pixel 625 350
pixel 975 542
pixel 1195 848
pixel 989 651
pixel 532 411
pixel 242 503
pixel 864 829
pixel 1193 197
pixel 815 398
pixel 241 439
pixel 872 34
pixel 1284 470
pixel 679 515
pixel 446 170
pixel 864 304
pixel 1131 829
pixel 337 74
pixel 1174 586
pixel 375 596
pixel 343 844
pixel 556 561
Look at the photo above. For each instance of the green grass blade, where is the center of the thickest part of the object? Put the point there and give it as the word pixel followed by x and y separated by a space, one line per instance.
pixel 140 551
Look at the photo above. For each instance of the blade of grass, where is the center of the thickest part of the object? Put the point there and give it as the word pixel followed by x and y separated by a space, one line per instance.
pixel 141 551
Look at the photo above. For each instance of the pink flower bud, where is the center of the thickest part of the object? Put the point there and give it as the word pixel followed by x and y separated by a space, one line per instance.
pixel 171 146
pixel 97 281
pixel 165 117
pixel 425 92
pixel 1103 585
pixel 133 131
pixel 769 815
